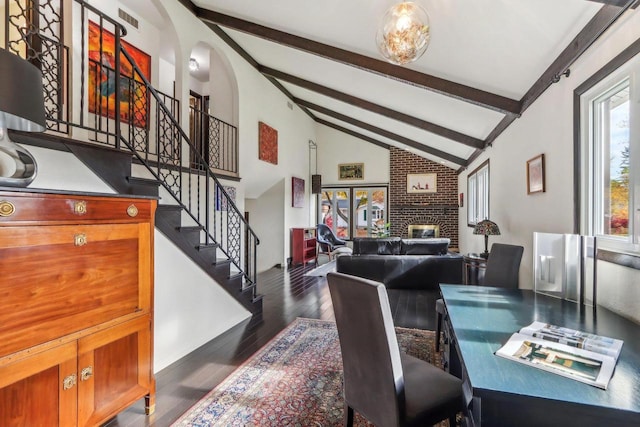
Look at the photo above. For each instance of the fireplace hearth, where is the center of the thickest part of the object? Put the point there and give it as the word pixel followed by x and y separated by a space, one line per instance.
pixel 423 231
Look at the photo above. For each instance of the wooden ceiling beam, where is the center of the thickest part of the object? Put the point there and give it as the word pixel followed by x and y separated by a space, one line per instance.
pixel 374 108
pixel 362 62
pixel 600 22
pixel 382 132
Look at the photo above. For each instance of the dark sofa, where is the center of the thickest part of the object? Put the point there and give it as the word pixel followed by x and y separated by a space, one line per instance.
pixel 419 264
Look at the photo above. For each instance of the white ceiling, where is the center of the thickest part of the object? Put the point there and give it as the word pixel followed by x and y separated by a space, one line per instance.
pixel 498 46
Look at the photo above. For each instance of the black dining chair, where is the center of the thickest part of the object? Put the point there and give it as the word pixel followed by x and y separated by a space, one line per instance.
pixel 327 241
pixel 386 386
pixel 503 271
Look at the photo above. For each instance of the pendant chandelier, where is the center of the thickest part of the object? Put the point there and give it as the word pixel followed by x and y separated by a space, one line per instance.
pixel 403 35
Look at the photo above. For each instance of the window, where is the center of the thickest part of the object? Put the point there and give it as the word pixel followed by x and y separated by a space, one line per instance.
pixel 478 194
pixel 610 156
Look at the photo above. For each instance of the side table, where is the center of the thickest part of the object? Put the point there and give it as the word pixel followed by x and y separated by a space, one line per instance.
pixel 473 267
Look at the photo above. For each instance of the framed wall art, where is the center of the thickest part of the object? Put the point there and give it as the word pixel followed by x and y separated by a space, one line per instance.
pixel 422 183
pixel 134 103
pixel 535 175
pixel 267 143
pixel 297 192
pixel 351 171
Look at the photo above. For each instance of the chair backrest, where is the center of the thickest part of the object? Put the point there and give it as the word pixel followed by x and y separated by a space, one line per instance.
pixel 373 380
pixel 325 236
pixel 503 266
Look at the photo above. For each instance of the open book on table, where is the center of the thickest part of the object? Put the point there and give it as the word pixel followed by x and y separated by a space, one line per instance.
pixel 583 357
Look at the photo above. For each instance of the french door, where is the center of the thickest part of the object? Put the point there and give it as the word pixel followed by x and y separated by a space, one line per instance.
pixel 354 212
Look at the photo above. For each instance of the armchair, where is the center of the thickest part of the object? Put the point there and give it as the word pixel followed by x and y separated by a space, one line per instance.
pixel 327 241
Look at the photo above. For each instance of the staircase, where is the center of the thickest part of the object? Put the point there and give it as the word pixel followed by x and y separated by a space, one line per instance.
pixel 195 212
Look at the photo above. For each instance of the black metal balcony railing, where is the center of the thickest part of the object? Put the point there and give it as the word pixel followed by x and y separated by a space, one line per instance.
pixel 129 114
pixel 216 140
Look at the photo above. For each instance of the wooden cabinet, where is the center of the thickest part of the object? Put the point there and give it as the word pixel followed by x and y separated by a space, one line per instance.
pixel 303 245
pixel 76 313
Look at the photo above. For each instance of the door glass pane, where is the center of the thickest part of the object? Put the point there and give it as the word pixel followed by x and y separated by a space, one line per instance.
pixel 334 211
pixel 363 220
pixel 370 212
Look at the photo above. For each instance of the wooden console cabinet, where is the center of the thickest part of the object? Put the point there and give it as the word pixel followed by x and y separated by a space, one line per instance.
pixel 76 307
pixel 303 245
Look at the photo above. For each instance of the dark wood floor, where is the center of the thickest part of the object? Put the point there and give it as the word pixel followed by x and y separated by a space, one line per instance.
pixel 288 294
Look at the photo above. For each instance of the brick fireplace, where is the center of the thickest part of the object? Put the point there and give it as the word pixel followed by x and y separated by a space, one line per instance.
pixel 439 209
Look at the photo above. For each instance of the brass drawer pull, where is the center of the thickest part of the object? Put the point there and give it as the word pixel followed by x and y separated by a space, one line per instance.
pixel 132 211
pixel 69 382
pixel 86 373
pixel 80 239
pixel 6 208
pixel 80 207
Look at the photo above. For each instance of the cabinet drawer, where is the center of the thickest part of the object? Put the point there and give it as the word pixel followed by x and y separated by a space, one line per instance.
pixel 34 208
pixel 61 279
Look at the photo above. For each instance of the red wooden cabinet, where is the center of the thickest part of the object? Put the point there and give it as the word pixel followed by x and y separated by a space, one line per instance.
pixel 76 317
pixel 303 245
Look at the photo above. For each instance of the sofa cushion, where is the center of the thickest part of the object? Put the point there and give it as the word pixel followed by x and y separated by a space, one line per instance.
pixel 377 246
pixel 425 246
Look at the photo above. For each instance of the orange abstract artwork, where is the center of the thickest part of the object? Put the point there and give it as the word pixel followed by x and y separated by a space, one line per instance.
pixel 267 143
pixel 134 103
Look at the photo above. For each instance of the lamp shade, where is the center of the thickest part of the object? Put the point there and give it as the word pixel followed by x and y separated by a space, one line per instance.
pixel 21 94
pixel 486 228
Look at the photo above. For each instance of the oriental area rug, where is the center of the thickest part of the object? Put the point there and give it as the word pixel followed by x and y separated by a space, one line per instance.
pixel 294 380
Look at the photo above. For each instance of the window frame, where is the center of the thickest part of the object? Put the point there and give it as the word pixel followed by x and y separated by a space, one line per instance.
pixel 624 66
pixel 477 195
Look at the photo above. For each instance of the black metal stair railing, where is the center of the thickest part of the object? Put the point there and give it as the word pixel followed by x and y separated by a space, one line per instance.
pixel 190 183
pixel 145 123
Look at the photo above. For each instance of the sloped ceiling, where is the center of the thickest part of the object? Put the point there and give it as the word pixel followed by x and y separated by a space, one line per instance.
pixel 487 61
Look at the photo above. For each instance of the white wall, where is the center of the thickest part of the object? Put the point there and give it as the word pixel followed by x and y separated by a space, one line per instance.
pixel 190 308
pixel 266 215
pixel 335 147
pixel 547 127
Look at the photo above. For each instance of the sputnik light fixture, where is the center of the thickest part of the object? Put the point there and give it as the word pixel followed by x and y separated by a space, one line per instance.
pixel 404 33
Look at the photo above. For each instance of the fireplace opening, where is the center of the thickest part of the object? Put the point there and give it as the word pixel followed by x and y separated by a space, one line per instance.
pixel 424 231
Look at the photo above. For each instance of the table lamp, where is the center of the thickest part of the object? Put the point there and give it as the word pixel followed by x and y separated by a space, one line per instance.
pixel 21 108
pixel 486 228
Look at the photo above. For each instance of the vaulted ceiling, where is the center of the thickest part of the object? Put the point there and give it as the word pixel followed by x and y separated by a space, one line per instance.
pixel 487 62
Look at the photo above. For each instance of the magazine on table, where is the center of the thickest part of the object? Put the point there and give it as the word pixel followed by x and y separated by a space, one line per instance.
pixel 583 357
pixel 574 338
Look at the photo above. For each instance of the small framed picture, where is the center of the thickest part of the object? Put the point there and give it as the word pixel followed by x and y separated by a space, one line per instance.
pixel 422 183
pixel 535 174
pixel 351 171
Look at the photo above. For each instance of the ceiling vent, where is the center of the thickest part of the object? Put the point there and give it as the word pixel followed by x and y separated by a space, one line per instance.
pixel 128 18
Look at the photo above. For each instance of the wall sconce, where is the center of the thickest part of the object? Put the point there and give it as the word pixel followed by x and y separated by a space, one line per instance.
pixel 21 108
pixel 193 65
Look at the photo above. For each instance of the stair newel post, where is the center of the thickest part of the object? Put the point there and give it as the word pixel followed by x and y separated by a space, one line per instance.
pixel 207 205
